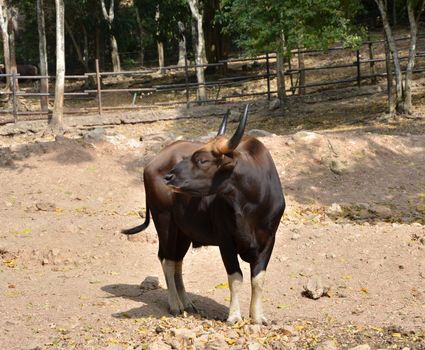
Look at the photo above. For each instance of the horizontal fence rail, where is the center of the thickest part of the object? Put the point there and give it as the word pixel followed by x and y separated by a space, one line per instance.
pixel 231 80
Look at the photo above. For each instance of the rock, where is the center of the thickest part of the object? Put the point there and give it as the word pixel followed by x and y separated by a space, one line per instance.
pixel 45 206
pixel 381 211
pixel 259 133
pixel 334 210
pixel 217 342
pixel 274 104
pixel 51 258
pixel 295 237
pixel 361 347
pixel 326 345
pixel 253 346
pixel 314 288
pixel 338 167
pixel 150 283
pixel 183 333
pixel 234 116
pixel 305 136
pixel 254 329
pixel 158 137
pixel 97 134
pixel 159 345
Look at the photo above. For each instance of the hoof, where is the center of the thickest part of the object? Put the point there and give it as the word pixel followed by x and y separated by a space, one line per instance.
pixel 191 309
pixel 232 319
pixel 260 320
pixel 175 312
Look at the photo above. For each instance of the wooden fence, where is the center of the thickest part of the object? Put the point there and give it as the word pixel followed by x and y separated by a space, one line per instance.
pixel 221 87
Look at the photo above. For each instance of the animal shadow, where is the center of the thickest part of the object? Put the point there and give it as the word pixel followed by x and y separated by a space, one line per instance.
pixel 155 302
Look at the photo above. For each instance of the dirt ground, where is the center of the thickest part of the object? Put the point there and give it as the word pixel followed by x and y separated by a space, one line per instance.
pixel 355 219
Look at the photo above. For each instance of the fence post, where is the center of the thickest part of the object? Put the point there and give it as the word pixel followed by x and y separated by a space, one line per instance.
pixel 372 63
pixel 358 68
pixel 268 75
pixel 14 101
pixel 389 69
pixel 99 88
pixel 186 77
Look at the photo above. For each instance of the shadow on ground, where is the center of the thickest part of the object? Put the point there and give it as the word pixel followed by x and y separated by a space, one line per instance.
pixel 156 304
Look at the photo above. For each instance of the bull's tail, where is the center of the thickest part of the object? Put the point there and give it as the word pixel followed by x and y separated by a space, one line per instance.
pixel 137 229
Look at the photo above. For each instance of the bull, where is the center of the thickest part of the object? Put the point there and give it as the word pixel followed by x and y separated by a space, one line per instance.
pixel 22 69
pixel 224 193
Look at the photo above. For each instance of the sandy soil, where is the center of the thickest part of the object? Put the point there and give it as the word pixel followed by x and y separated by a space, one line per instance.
pixel 355 217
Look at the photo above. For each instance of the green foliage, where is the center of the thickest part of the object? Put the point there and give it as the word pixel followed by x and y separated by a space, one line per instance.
pixel 283 25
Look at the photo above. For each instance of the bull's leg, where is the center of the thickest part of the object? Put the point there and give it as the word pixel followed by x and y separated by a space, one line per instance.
pixel 234 275
pixel 174 302
pixel 178 277
pixel 258 272
pixel 256 308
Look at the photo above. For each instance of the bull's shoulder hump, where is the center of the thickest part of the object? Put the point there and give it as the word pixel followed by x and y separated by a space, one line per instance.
pixel 252 146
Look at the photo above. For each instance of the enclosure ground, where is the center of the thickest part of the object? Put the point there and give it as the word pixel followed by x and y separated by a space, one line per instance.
pixel 355 190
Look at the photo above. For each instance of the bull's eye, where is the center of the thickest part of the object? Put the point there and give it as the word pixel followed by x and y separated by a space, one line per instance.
pixel 202 161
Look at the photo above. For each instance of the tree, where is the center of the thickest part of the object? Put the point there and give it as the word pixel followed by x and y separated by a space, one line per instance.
pixel 285 25
pixel 109 17
pixel 200 55
pixel 42 46
pixel 12 28
pixel 5 38
pixel 403 94
pixel 56 121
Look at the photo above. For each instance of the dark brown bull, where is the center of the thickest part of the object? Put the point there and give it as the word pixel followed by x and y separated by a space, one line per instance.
pixel 225 193
pixel 22 69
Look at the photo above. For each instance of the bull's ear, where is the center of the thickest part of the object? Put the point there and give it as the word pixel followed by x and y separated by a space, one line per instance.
pixel 227 162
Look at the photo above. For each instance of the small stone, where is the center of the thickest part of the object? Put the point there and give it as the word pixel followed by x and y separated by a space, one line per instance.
pixel 159 345
pixel 254 329
pixel 259 133
pixel 253 346
pixel 314 288
pixel 274 104
pixel 45 206
pixel 150 283
pixel 326 345
pixel 338 167
pixel 361 347
pixel 381 211
pixel 305 136
pixel 183 333
pixel 334 210
pixel 295 237
pixel 217 342
pixel 97 134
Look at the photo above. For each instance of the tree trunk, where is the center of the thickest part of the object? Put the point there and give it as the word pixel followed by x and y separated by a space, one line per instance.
pixel 5 39
pixel 161 59
pixel 280 77
pixel 194 35
pixel 42 49
pixel 389 68
pixel 394 53
pixel 200 56
pixel 12 27
pixel 301 67
pixel 56 122
pixel 413 20
pixel 141 36
pixel 182 45
pixel 116 63
pixel 109 17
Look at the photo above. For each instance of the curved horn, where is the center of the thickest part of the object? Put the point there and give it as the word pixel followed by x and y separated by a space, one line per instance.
pixel 223 125
pixel 237 136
